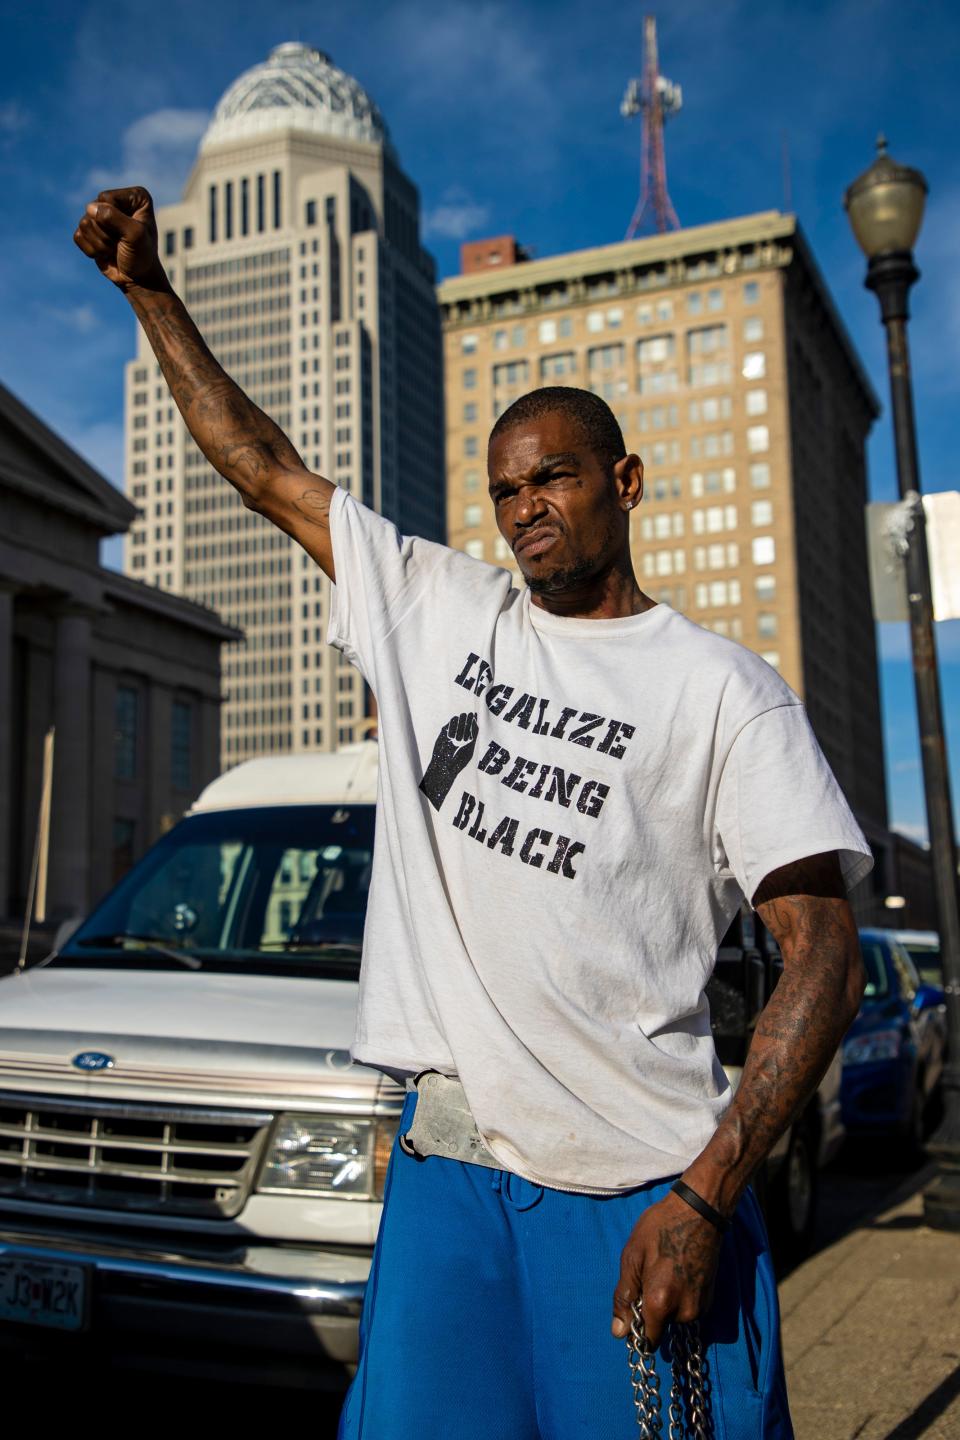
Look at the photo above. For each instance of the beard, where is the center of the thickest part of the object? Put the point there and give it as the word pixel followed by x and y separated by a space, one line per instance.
pixel 560 580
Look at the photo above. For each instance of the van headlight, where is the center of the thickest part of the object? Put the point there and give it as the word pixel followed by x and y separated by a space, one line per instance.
pixel 877 1045
pixel 334 1155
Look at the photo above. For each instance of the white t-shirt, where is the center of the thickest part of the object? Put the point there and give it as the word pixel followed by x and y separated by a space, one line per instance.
pixel 554 870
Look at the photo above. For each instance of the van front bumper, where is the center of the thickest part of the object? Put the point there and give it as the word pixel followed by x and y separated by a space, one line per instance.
pixel 274 1311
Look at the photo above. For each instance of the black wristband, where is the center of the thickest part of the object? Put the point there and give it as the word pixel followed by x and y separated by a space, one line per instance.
pixel 697 1202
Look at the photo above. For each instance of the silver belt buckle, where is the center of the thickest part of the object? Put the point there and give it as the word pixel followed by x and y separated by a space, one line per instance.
pixel 443 1124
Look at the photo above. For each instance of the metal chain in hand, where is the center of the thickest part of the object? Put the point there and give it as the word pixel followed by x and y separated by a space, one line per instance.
pixel 688 1388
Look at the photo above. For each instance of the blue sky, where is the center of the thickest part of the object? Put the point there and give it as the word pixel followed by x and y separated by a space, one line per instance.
pixel 507 117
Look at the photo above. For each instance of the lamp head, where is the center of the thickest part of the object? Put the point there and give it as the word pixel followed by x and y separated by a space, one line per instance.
pixel 885 205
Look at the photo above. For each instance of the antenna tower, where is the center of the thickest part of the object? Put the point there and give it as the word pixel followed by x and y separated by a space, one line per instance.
pixel 654 98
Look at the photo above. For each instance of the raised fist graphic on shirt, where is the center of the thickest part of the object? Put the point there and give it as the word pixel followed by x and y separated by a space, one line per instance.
pixel 452 750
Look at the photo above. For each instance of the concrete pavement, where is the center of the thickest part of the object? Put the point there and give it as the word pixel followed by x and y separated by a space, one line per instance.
pixel 871 1331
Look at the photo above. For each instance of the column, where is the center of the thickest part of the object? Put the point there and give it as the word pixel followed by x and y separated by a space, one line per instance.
pixel 6 744
pixel 69 883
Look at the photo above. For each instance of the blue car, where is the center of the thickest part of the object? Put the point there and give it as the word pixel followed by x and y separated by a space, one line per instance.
pixel 893 1053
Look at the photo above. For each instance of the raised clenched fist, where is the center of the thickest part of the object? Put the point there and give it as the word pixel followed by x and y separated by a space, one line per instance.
pixel 119 232
pixel 452 750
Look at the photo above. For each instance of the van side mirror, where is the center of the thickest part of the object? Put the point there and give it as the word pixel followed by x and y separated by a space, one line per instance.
pixel 928 997
pixel 65 929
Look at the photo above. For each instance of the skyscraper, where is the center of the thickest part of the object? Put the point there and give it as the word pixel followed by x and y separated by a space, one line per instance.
pixel 296 249
pixel 721 353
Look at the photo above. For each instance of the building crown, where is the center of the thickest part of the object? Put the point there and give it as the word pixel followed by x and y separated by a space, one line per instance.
pixel 296 88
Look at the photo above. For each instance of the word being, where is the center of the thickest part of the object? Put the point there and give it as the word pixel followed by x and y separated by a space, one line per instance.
pixel 541 717
pixel 553 784
pixel 533 848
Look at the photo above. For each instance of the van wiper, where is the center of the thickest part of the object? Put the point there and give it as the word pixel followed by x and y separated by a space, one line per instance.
pixel 343 947
pixel 150 944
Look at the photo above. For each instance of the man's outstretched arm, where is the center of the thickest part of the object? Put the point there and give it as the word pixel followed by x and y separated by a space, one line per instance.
pixel 119 231
pixel 672 1253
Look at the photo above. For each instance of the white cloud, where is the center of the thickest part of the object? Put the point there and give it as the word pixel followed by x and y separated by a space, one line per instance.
pixel 13 118
pixel 81 319
pixel 455 217
pixel 157 151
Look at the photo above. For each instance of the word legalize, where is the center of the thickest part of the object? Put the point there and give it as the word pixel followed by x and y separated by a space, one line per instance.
pixel 541 717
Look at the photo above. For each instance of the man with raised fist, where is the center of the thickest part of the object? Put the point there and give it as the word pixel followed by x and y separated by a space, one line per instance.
pixel 578 788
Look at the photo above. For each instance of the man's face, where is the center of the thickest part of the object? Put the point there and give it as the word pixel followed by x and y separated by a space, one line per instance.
pixel 558 508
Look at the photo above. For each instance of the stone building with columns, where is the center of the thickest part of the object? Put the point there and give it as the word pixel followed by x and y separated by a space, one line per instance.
pixel 128 675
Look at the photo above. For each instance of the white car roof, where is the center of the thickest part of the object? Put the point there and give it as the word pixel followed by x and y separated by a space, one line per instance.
pixel 349 776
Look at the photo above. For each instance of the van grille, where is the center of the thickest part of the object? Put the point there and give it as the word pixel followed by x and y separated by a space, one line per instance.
pixel 141 1158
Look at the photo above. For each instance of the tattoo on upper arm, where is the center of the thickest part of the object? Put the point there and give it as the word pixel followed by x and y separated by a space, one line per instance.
pixel 314 506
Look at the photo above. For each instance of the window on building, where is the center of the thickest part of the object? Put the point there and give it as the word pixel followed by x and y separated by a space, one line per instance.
pixel 170 242
pixel 772 658
pixel 758 438
pixel 761 512
pixel 760 475
pixel 751 292
pixel 501 339
pixel 212 214
pixel 474 549
pixel 655 349
pixel 565 327
pixel 472 516
pixel 261 203
pixel 277 209
pixel 511 372
pixel 715 299
pixel 694 303
pixel 188 237
pixel 595 321
pixel 707 340
pixel 228 210
pixel 753 328
pixel 470 413
pixel 125 733
pixel 469 379
pixel 605 357
pixel 553 367
pixel 614 318
pixel 181 749
pixel 764 550
pixel 765 588
pixel 754 365
pixel 470 447
pixel 310 212
pixel 468 344
pixel 519 335
pixel 767 625
pixel 547 332
pixel 756 402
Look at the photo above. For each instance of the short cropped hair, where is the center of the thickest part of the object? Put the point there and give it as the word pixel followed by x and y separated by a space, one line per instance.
pixel 596 420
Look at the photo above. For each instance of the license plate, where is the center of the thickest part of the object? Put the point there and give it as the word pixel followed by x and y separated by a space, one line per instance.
pixel 42 1292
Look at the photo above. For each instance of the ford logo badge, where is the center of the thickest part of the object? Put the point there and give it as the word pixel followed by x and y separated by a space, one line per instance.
pixel 93 1060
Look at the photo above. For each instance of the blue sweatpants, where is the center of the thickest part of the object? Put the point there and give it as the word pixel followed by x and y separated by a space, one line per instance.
pixel 487 1315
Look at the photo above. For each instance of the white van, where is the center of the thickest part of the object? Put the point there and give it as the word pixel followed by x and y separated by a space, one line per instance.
pixel 191 1167
pixel 190 1163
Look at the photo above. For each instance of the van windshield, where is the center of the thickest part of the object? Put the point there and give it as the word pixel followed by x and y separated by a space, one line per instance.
pixel 278 888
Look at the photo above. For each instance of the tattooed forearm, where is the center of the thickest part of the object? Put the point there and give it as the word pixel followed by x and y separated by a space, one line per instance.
pixel 314 506
pixel 236 436
pixel 798 1032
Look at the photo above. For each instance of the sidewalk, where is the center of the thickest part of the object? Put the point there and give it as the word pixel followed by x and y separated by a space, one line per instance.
pixel 871 1331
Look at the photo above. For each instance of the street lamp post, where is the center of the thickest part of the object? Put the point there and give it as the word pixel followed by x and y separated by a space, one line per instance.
pixel 885 208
